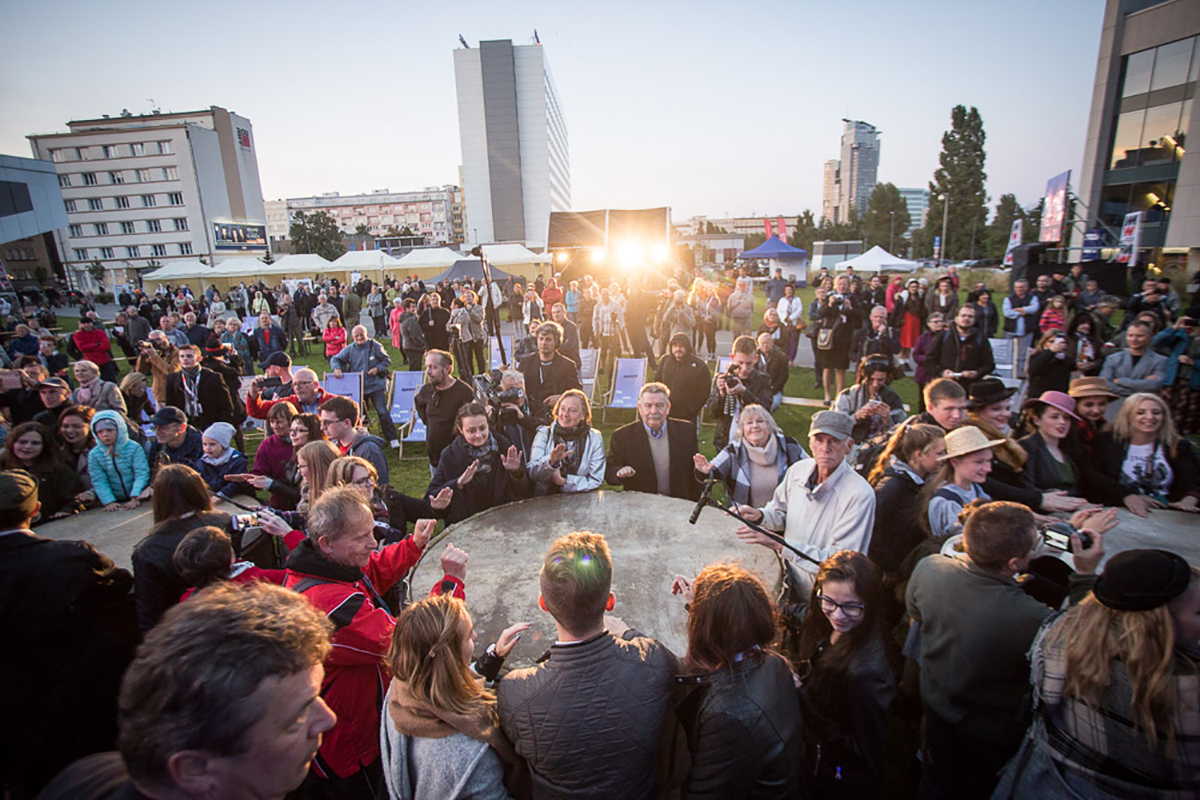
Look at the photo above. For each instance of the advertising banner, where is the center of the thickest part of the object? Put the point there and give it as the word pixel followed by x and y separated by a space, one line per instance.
pixel 239 236
pixel 767 227
pixel 1094 240
pixel 1131 237
pixel 1054 208
pixel 1014 239
pixel 781 229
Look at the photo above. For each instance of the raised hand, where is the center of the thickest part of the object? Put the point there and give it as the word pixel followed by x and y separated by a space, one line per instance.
pixel 422 530
pixel 703 466
pixel 454 562
pixel 510 636
pixel 681 586
pixel 512 459
pixel 441 501
pixel 558 454
pixel 468 473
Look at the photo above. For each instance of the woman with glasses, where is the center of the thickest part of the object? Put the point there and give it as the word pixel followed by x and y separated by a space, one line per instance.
pixel 393 510
pixel 271 460
pixel 737 699
pixel 846 685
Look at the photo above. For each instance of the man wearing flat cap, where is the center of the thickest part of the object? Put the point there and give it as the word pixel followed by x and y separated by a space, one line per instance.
pixel 822 505
pixel 58 603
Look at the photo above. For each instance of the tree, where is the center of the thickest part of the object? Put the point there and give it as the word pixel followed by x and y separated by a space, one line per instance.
pixel 316 233
pixel 848 231
pixel 406 231
pixel 39 274
pixel 805 232
pixel 753 240
pixel 361 230
pixel 961 178
pixel 1033 221
pixel 1008 211
pixel 886 219
pixel 96 270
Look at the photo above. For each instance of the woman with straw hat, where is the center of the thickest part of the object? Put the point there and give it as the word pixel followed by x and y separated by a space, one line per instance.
pixel 965 466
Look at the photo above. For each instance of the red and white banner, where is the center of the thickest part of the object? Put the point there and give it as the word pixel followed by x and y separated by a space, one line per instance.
pixel 781 229
pixel 1014 239
pixel 1131 237
pixel 767 226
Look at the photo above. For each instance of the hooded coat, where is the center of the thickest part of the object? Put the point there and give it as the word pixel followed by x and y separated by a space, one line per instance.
pixel 688 379
pixel 121 473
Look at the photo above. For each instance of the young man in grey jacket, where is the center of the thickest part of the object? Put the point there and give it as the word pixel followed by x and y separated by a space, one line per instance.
pixel 366 356
pixel 589 718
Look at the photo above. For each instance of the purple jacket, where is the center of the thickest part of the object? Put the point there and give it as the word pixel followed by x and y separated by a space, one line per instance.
pixel 270 460
pixel 920 353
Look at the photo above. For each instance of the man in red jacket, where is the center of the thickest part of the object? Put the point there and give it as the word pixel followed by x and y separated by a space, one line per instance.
pixel 306 397
pixel 93 345
pixel 341 573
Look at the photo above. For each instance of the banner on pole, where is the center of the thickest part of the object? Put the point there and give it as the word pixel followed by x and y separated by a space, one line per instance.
pixel 767 228
pixel 1014 239
pixel 1131 237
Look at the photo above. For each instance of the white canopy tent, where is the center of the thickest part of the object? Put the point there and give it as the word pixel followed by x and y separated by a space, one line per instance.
pixel 175 270
pixel 365 260
pixel 516 259
pixel 878 260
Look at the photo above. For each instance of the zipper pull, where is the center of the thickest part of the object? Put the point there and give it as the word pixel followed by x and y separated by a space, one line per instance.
pixel 838 774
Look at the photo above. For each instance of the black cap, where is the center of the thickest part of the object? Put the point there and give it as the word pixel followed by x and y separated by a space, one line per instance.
pixel 18 491
pixel 986 391
pixel 168 415
pixel 214 345
pixel 278 360
pixel 1142 580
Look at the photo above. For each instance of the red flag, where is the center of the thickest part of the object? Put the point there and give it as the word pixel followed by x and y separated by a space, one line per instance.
pixel 767 226
pixel 781 226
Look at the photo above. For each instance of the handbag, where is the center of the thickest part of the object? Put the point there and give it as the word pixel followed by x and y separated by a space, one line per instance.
pixel 825 339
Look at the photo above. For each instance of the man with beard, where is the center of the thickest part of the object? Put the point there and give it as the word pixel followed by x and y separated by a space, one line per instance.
pixel 548 373
pixel 654 453
pixel 686 376
pixel 963 352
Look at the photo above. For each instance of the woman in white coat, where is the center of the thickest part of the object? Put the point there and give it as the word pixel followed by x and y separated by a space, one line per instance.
pixel 568 454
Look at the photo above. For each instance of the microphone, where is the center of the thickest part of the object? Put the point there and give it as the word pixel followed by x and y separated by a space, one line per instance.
pixel 702 502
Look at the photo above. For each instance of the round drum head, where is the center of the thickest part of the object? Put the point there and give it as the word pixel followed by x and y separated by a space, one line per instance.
pixel 651 542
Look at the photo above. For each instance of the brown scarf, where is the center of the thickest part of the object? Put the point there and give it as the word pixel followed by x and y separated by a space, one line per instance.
pixel 414 717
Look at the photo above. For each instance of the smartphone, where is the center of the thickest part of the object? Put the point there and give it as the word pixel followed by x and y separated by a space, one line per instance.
pixel 271 381
pixel 1058 536
pixel 243 521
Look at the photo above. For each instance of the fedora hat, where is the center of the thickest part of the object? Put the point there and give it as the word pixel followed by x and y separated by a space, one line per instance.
pixel 1063 402
pixel 967 439
pixel 1090 387
pixel 986 391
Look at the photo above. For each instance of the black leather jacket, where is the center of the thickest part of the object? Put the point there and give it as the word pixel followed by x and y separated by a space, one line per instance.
pixel 743 730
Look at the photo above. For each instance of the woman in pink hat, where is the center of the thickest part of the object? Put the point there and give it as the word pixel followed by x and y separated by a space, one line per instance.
pixel 1048 467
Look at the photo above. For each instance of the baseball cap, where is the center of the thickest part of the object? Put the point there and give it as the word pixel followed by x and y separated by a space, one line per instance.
pixel 278 360
pixel 18 491
pixel 55 383
pixel 834 423
pixel 168 415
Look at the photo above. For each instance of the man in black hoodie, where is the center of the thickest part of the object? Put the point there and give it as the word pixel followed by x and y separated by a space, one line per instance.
pixel 687 377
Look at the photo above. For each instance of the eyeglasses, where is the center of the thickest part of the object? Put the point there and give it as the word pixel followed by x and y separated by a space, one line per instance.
pixel 366 483
pixel 851 610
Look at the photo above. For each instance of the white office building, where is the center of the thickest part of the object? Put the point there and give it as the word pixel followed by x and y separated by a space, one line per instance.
pixel 917 201
pixel 140 191
pixel 516 166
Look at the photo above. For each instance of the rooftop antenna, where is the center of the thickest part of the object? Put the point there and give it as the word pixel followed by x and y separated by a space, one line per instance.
pixel 463 42
pixel 154 109
pixel 535 37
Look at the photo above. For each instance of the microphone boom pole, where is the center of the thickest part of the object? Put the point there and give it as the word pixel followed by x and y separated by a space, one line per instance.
pixel 707 500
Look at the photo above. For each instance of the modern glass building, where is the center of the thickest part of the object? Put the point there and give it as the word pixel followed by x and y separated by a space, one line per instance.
pixel 1136 155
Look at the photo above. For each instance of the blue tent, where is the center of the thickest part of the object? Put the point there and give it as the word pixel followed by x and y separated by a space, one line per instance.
pixel 469 268
pixel 774 248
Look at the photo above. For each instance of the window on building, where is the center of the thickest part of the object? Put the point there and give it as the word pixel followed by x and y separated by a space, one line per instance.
pixel 148 201
pixel 138 148
pixel 1127 138
pixel 69 204
pixel 106 252
pixel 122 202
pixel 132 252
pixel 1171 62
pixel 107 150
pixel 185 248
pixel 158 250
pixel 95 204
pixel 175 198
pixel 116 177
pixel 81 254
pixel 153 226
pixel 126 227
pixel 181 224
pixel 144 176
pixel 80 154
pixel 1160 134
pixel 170 174
pixel 102 229
pixel 89 179
pixel 56 156
pixel 75 230
pixel 64 181
pixel 1138 67
pixel 164 148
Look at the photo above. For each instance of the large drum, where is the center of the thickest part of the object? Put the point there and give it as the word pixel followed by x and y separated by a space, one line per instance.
pixel 650 539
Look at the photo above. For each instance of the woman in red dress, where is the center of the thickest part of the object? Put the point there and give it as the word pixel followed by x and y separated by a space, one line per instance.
pixel 909 316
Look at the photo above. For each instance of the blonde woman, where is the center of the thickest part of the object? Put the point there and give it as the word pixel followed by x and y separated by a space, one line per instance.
pixel 312 462
pixel 1144 461
pixel 1116 690
pixel 441 735
pixel 568 454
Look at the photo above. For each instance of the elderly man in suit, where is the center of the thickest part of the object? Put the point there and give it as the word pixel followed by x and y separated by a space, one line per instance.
pixel 654 453
pixel 1135 369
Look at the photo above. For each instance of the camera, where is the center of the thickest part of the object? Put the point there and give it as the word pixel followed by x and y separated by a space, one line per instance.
pixel 1058 536
pixel 242 522
pixel 732 381
pixel 487 385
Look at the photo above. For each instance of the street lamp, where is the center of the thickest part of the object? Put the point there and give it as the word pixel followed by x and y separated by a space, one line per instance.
pixel 892 232
pixel 945 217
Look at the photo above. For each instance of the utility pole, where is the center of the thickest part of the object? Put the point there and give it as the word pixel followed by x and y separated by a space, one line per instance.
pixel 945 218
pixel 892 232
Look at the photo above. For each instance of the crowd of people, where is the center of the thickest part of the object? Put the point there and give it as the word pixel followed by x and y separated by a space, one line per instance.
pixel 280 656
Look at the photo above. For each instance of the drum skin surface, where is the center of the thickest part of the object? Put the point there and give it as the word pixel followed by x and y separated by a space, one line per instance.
pixel 650 540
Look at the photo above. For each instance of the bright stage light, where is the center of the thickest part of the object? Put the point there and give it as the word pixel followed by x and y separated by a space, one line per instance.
pixel 630 254
pixel 561 256
pixel 598 255
pixel 659 253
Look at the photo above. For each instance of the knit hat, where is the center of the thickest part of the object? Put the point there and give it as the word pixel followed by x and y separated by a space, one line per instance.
pixel 106 423
pixel 214 346
pixel 1141 580
pixel 18 491
pixel 967 439
pixel 221 432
